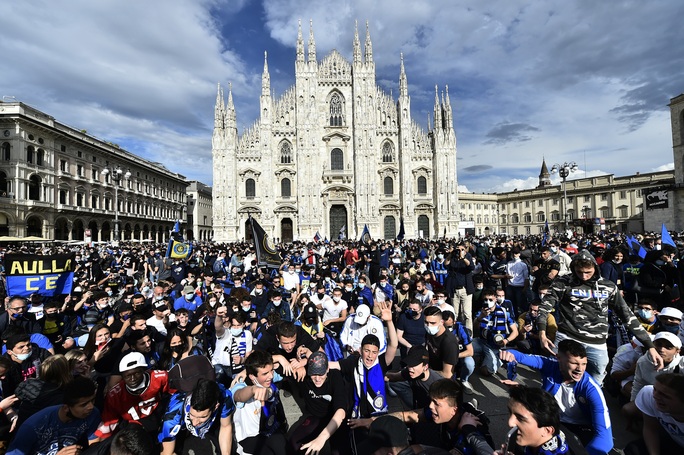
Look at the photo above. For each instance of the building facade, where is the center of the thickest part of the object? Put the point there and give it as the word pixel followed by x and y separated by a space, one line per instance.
pixel 199 225
pixel 334 153
pixel 59 183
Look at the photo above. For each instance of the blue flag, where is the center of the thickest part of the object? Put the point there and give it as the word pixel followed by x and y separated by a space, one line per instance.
pixel 176 227
pixel 365 236
pixel 317 237
pixel 666 238
pixel 635 247
pixel 178 250
pixel 47 275
pixel 402 232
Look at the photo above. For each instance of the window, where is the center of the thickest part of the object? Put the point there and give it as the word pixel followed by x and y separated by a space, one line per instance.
pixel 541 217
pixel 514 218
pixel 34 188
pixel 388 184
pixel 63 196
pixel 79 199
pixel 571 215
pixel 555 201
pixel 555 216
pixel 486 219
pixel 527 204
pixel 250 188
pixel 540 202
pixel 30 151
pixel 422 186
pixel 40 157
pixel 63 166
pixel 285 153
pixel 503 219
pixel 95 174
pixel 285 188
pixel 528 230
pixel 638 193
pixel 604 196
pixel 605 212
pixel 527 218
pixel 587 198
pixel 623 212
pixel 479 219
pixel 570 199
pixel 79 170
pixel 94 199
pixel 336 160
pixel 387 153
pixel 515 205
pixel 5 151
pixel 335 110
pixel 623 194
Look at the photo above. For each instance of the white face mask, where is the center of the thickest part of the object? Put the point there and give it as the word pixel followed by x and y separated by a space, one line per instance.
pixel 277 302
pixel 236 332
pixel 348 289
pixel 23 357
pixel 246 308
pixel 336 299
pixel 500 299
pixel 258 291
pixel 431 329
pixel 440 256
pixel 491 305
pixel 440 301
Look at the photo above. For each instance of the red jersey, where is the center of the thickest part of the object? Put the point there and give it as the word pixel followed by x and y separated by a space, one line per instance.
pixel 122 404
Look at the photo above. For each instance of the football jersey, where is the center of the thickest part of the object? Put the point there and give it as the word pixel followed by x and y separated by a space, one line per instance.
pixel 122 404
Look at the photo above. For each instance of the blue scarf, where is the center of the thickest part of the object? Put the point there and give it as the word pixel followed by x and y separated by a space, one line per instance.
pixel 270 418
pixel 554 446
pixel 369 383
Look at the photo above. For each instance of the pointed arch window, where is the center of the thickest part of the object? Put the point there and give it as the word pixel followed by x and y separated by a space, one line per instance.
pixel 285 188
pixel 285 153
pixel 335 110
pixel 422 185
pixel 387 153
pixel 250 188
pixel 389 186
pixel 336 160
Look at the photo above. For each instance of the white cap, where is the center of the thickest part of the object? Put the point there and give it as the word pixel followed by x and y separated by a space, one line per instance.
pixel 132 360
pixel 671 312
pixel 671 337
pixel 362 314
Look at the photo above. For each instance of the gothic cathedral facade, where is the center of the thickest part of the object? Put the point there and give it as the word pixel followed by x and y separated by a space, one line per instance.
pixel 334 153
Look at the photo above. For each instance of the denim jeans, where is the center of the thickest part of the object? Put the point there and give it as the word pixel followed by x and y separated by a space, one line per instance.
pixel 488 354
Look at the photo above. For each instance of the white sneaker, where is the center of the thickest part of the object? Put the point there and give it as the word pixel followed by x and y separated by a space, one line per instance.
pixel 467 388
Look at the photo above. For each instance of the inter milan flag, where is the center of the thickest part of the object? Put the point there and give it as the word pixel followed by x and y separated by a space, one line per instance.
pixel 635 247
pixel 365 236
pixel 402 232
pixel 545 237
pixel 265 250
pixel 48 275
pixel 178 250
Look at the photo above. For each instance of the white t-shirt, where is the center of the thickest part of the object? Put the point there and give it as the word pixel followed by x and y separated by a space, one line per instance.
pixel 647 405
pixel 247 415
pixel 159 323
pixel 290 280
pixel 224 344
pixel 332 310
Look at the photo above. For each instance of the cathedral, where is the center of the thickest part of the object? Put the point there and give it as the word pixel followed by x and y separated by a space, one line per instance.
pixel 333 153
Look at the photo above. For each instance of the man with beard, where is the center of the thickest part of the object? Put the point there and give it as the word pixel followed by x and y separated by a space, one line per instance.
pixel 136 398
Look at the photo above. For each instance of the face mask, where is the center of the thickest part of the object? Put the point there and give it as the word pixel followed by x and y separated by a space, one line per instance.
pixel 177 349
pixel 541 296
pixel 212 303
pixel 277 302
pixel 292 272
pixel 383 284
pixel 440 301
pixel 431 330
pixel 110 293
pixel 671 328
pixel 500 299
pixel 190 296
pixel 23 357
pixel 321 295
pixel 337 299
pixel 348 289
pixel 554 249
pixel 258 291
pixel 298 271
pixel 362 285
pixel 236 332
pixel 246 309
pixel 645 314
pixel 479 287
pixel 126 317
pixel 491 305
pixel 440 256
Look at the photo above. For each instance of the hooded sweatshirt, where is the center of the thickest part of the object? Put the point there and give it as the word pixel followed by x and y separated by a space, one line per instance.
pixel 582 307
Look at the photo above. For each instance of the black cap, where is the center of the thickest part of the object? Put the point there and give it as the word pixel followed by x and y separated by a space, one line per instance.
pixel 385 431
pixel 309 313
pixel 417 355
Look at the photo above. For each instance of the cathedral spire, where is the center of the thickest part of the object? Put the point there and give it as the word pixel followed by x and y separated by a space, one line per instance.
pixel 448 114
pixel 403 83
pixel 369 46
pixel 300 43
pixel 230 117
pixel 438 110
pixel 219 109
pixel 357 44
pixel 265 78
pixel 312 44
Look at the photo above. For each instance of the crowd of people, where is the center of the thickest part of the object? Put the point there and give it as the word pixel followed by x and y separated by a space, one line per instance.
pixel 149 354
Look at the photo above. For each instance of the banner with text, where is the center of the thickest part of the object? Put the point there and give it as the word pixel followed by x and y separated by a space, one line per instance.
pixel 47 275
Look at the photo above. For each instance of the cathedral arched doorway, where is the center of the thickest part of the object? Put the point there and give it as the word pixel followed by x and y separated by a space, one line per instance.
pixel 338 220
pixel 34 227
pixel 390 227
pixel 286 230
pixel 249 237
pixel 424 226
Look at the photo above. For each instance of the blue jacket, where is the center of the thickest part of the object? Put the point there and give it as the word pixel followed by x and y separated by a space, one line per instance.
pixel 587 393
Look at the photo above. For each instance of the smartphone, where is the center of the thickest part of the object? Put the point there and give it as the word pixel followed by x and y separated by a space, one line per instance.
pixel 509 435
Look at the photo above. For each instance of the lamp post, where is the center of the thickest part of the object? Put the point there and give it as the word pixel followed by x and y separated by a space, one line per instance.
pixel 564 171
pixel 117 173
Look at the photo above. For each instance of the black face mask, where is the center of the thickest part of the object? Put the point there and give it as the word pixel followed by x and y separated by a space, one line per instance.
pixel 177 349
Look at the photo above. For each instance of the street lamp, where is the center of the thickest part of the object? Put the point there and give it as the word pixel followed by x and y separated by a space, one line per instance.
pixel 564 171
pixel 117 174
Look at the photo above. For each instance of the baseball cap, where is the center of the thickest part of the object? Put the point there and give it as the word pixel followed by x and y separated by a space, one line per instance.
pixel 309 313
pixel 188 290
pixel 132 360
pixel 362 314
pixel 317 364
pixel 671 337
pixel 417 355
pixel 385 431
pixel 671 312
pixel 161 305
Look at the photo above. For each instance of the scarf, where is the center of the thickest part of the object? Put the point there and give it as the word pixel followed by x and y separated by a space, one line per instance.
pixel 271 418
pixel 554 446
pixel 369 384
pixel 201 430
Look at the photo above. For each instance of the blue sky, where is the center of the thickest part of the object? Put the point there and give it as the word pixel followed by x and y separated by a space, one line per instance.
pixel 584 80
